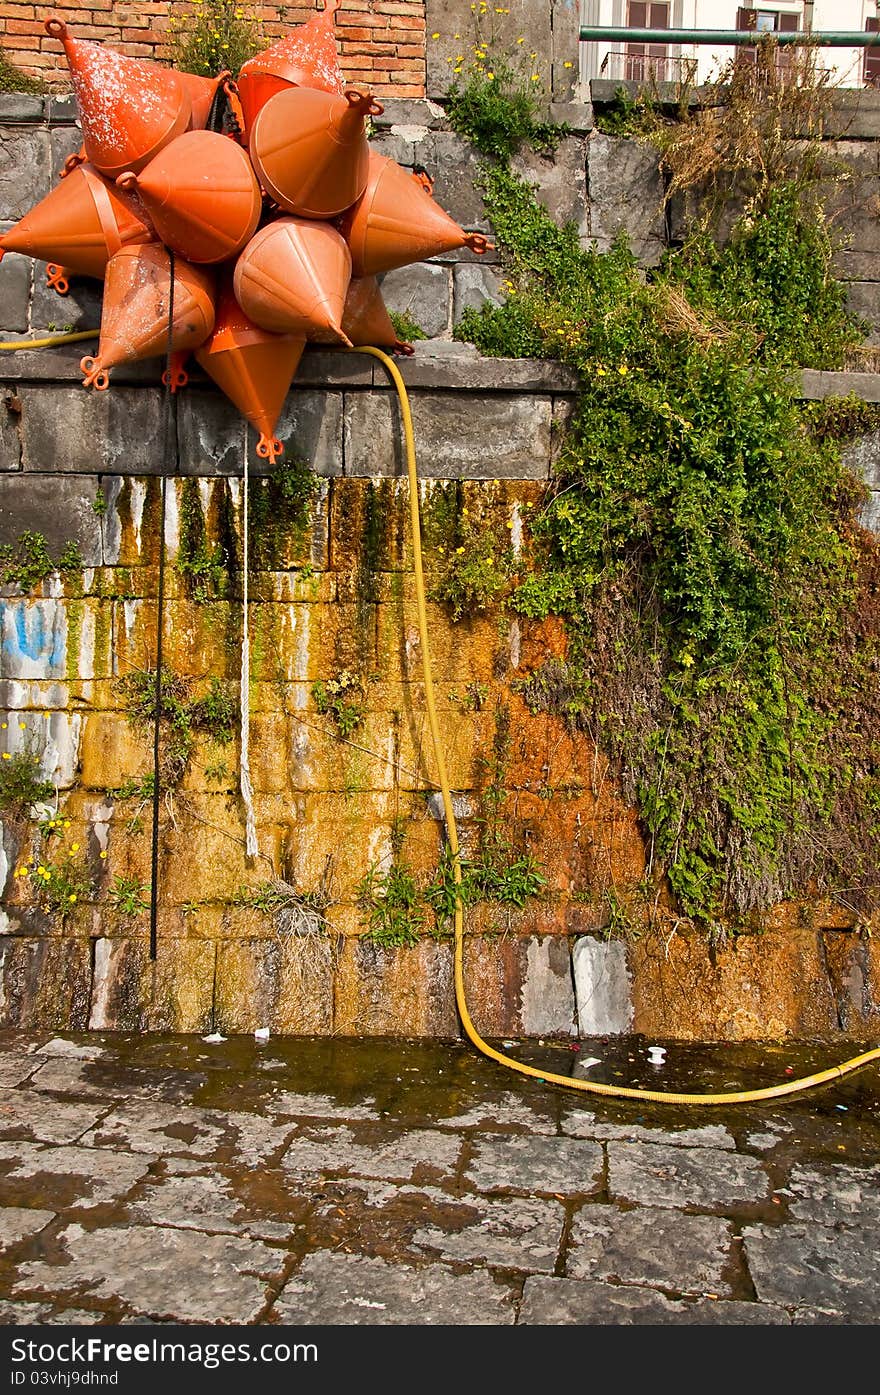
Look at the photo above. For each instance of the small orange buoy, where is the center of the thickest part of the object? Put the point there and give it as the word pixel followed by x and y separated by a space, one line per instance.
pixel 292 278
pixel 134 320
pixel 253 367
pixel 201 195
pixel 365 317
pixel 128 107
pixel 310 149
pixel 306 57
pixel 396 222
pixel 79 225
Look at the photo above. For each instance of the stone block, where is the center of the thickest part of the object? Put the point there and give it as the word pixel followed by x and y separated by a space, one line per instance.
pixel 475 286
pixel 465 436
pixel 856 266
pixel 132 993
pixel 64 140
pixel 77 311
pixel 24 170
pixel 15 289
pixel 62 109
pixel 20 107
pixel 560 181
pixel 112 752
pixel 863 458
pixel 118 432
pixel 766 986
pixel 494 969
pixel 394 145
pixel 395 992
pixel 212 433
pixel 10 440
pixel 603 987
pixel 869 516
pixel 564 32
pixel 460 654
pixel 422 291
pixel 409 112
pixel 58 506
pixel 442 363
pixel 368 522
pixel 45 984
pixel 454 166
pixel 547 1005
pixel 863 301
pixel 626 195
pixel 284 983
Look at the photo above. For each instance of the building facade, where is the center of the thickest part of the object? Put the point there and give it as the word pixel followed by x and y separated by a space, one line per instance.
pixel 673 62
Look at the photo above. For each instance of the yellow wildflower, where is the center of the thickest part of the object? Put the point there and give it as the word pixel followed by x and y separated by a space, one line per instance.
pixel 7 756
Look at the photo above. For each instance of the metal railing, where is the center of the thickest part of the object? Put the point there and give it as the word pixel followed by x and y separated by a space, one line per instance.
pixel 739 38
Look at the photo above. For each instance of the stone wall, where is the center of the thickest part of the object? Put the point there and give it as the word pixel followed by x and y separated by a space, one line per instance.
pixel 380 42
pixel 336 596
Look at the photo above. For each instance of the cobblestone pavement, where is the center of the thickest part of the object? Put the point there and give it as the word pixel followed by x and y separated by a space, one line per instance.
pixel 159 1179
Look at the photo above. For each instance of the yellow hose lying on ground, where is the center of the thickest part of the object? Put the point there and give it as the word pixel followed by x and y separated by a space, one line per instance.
pixel 592 1087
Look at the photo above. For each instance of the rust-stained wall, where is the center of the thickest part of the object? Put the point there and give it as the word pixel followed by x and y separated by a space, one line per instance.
pixel 341 598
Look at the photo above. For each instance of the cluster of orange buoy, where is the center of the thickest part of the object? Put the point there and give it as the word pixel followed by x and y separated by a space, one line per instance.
pixel 235 221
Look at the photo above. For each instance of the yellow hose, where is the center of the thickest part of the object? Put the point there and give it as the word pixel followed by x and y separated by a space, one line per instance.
pixel 54 339
pixel 592 1087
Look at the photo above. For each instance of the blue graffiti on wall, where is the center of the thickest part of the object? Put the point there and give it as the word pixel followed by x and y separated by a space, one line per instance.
pixel 34 639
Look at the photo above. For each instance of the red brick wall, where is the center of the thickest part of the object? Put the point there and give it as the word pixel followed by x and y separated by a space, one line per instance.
pixel 381 42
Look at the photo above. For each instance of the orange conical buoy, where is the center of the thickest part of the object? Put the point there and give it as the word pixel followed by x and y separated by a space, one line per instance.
pixel 201 92
pixel 396 222
pixel 201 195
pixel 306 57
pixel 128 107
pixel 137 305
pixel 365 317
pixel 79 225
pixel 253 367
pixel 310 149
pixel 292 278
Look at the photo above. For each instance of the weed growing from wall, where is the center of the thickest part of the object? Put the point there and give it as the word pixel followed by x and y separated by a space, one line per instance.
pixel 27 562
pixel 22 783
pixel 211 36
pixel 183 718
pixel 700 537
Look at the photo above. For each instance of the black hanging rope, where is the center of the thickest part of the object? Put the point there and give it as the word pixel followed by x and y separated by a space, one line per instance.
pixel 160 606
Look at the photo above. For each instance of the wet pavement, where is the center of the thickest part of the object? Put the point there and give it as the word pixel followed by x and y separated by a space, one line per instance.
pixel 337 1182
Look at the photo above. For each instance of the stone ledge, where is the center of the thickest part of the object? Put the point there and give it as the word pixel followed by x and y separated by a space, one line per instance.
pixel 855 112
pixel 444 366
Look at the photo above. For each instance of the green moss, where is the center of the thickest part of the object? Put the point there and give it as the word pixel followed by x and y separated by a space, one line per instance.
pixel 698 541
pixel 280 509
pixel 74 611
pixel 203 565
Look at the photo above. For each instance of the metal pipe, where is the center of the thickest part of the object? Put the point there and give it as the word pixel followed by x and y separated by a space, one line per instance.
pixel 830 38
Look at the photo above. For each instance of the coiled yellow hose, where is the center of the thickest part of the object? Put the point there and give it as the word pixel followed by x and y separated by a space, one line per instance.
pixel 592 1087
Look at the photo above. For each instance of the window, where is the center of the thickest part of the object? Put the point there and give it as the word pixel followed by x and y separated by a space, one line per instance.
pixel 645 61
pixel 767 22
pixel 872 56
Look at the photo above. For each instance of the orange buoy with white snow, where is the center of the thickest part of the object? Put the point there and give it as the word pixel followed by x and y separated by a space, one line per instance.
pixel 306 57
pixel 137 308
pixel 128 107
